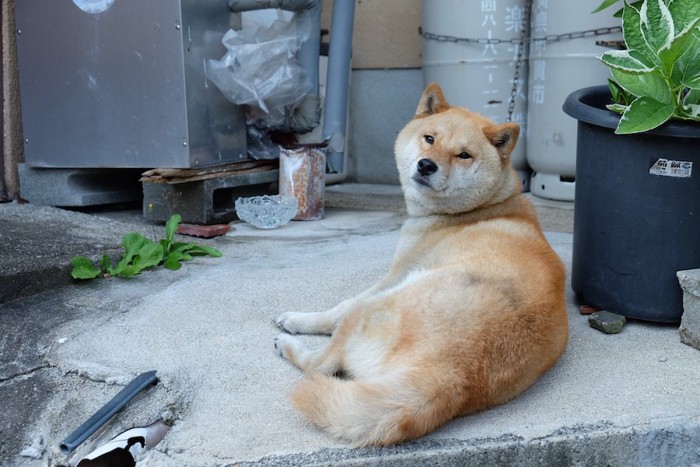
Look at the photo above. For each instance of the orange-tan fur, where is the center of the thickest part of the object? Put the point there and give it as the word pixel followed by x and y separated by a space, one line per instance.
pixel 471 312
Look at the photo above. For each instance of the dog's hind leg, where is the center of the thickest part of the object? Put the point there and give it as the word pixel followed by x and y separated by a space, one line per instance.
pixel 328 359
pixel 309 323
pixel 325 359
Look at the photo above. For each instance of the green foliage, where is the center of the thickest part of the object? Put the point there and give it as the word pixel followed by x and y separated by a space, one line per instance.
pixel 658 77
pixel 618 14
pixel 605 4
pixel 141 253
pixel 83 268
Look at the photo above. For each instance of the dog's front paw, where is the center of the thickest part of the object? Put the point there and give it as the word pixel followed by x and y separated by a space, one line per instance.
pixel 290 322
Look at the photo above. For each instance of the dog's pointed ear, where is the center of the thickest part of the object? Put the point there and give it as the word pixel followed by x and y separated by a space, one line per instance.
pixel 503 137
pixel 432 101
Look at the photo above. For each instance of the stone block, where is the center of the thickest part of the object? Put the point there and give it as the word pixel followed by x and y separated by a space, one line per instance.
pixel 607 322
pixel 78 187
pixel 690 321
pixel 209 201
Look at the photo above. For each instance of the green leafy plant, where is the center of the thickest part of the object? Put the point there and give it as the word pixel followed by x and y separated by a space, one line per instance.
pixel 141 253
pixel 657 77
pixel 608 3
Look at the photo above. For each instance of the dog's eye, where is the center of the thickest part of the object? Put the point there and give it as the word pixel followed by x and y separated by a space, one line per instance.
pixel 464 155
pixel 429 139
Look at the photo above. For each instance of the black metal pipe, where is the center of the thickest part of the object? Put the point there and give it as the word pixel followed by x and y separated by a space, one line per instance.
pixel 107 411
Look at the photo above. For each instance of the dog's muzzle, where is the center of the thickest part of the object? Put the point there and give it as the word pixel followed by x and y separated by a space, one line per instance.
pixel 426 167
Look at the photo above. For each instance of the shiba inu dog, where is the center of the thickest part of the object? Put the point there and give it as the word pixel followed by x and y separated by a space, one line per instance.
pixel 472 310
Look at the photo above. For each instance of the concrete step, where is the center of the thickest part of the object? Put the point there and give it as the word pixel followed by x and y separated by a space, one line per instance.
pixel 629 399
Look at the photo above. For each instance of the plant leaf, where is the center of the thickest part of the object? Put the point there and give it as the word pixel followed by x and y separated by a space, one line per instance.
pixel 106 264
pixel 692 112
pixel 644 114
pixel 684 12
pixel 619 95
pixel 605 4
pixel 205 250
pixel 132 243
pixel 686 68
pixel 624 60
pixel 692 82
pixel 172 262
pixel 656 24
pixel 619 108
pixel 616 92
pixel 650 84
pixel 195 249
pixel 680 45
pixel 149 255
pixel 183 246
pixel 83 268
pixel 171 227
pixel 692 98
pixel 632 32
pixel 691 105
pixel 637 5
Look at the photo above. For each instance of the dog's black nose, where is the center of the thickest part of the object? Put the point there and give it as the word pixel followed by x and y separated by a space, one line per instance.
pixel 427 167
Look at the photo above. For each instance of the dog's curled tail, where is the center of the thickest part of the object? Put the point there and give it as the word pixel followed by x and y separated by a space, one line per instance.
pixel 378 412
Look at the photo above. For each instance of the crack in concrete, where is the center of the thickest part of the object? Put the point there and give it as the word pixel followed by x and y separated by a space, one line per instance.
pixel 589 429
pixel 110 380
pixel 5 380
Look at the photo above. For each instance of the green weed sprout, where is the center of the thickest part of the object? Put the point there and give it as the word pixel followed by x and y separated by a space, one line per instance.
pixel 141 253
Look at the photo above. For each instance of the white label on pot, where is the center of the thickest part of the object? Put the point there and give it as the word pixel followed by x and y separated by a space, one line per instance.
pixel 668 168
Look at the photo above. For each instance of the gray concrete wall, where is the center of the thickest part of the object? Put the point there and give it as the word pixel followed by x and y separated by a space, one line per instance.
pixel 381 102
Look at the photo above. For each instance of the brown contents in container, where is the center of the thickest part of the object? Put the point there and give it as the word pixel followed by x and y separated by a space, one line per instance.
pixel 302 175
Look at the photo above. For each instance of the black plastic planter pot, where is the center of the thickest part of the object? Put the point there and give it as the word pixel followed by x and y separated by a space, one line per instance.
pixel 637 214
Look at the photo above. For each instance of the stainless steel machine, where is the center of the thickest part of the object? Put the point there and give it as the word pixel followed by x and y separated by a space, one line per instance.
pixel 121 84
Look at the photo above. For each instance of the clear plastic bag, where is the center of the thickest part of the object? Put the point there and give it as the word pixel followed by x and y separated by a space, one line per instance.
pixel 260 69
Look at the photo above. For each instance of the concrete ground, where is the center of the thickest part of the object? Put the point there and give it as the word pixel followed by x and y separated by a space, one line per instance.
pixel 66 348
